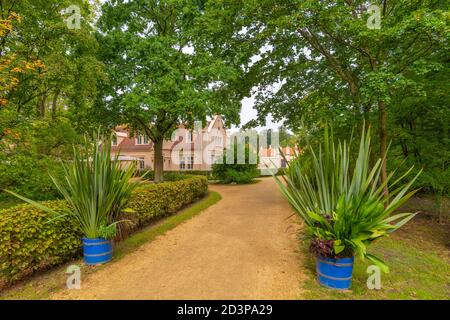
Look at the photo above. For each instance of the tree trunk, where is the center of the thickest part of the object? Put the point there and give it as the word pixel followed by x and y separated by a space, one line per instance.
pixel 158 161
pixel 383 145
pixel 41 106
pixel 55 104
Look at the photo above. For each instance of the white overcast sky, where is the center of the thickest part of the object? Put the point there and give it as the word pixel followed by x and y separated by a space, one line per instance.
pixel 249 113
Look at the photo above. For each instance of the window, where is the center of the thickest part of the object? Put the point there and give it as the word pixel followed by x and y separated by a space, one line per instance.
pixel 218 140
pixel 141 163
pixel 188 137
pixel 142 139
pixel 190 163
pixel 182 164
pixel 114 140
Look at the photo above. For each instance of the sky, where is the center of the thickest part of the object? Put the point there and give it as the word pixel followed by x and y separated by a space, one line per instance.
pixel 249 113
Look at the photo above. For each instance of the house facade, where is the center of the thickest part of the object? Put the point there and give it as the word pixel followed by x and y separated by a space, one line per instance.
pixel 188 150
pixel 272 158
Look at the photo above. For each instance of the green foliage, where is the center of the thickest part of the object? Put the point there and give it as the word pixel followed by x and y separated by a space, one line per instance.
pixel 30 239
pixel 240 175
pixel 95 186
pixel 29 242
pixel 30 152
pixel 286 138
pixel 342 201
pixel 233 172
pixel 419 268
pixel 175 175
pixel 41 288
pixel 328 66
pixel 159 73
pixel 53 91
pixel 27 175
pixel 156 200
pixel 69 68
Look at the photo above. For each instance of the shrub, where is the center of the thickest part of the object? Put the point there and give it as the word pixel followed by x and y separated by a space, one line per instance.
pixel 95 187
pixel 341 200
pixel 235 173
pixel 240 177
pixel 30 240
pixel 30 151
pixel 27 175
pixel 156 200
pixel 175 175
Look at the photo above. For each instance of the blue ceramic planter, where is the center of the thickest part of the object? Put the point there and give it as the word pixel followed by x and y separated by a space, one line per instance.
pixel 335 273
pixel 97 251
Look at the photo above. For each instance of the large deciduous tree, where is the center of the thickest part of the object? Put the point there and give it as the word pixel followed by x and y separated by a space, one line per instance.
pixel 160 71
pixel 331 64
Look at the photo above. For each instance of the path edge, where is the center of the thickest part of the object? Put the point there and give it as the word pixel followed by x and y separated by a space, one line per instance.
pixel 43 286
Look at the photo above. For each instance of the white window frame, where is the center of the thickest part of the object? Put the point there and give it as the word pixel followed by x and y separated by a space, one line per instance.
pixel 190 163
pixel 142 140
pixel 189 137
pixel 182 164
pixel 141 163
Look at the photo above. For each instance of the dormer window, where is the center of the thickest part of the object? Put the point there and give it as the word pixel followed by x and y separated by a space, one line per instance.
pixel 142 139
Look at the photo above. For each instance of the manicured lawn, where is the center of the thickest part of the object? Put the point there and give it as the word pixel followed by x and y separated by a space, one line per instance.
pixel 419 260
pixel 44 284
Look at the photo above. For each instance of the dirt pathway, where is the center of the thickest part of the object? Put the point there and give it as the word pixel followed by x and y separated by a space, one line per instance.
pixel 241 248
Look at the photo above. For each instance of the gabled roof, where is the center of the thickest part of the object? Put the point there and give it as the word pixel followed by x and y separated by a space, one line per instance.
pixel 211 123
pixel 129 144
pixel 270 152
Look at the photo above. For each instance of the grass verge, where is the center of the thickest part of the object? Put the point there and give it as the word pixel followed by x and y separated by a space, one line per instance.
pixel 419 262
pixel 43 285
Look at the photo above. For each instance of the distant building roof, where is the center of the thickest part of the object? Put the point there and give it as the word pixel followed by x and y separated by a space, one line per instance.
pixel 271 152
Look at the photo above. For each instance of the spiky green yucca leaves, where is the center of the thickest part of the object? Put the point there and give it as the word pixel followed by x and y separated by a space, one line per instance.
pixel 95 187
pixel 342 200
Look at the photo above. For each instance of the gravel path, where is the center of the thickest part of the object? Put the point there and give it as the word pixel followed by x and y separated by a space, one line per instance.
pixel 244 247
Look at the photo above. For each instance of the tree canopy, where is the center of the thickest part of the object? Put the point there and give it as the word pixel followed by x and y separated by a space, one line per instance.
pixel 330 63
pixel 160 73
pixel 154 64
pixel 49 75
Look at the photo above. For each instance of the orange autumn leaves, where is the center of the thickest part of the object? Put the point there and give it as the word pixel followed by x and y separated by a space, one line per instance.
pixel 6 25
pixel 11 66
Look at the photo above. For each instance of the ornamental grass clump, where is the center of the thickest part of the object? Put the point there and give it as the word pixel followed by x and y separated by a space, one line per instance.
pixel 342 200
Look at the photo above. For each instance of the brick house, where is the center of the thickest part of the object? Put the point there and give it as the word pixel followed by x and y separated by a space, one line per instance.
pixel 272 158
pixel 188 150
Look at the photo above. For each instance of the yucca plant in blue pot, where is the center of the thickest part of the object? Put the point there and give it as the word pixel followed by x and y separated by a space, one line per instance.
pixel 343 205
pixel 96 189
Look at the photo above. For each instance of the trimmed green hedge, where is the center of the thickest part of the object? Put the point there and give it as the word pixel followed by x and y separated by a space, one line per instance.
pixel 155 200
pixel 175 175
pixel 31 241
